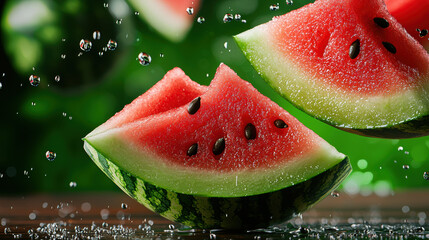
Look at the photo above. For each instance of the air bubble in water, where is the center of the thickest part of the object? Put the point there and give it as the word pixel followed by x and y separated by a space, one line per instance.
pixel 124 206
pixel 96 35
pixel 144 59
pixel 57 78
pixel 274 7
pixel 50 155
pixel 111 45
pixel 34 80
pixel 426 175
pixel 201 20
pixel 85 45
pixel 72 184
pixel 228 18
pixel 289 2
pixel 190 10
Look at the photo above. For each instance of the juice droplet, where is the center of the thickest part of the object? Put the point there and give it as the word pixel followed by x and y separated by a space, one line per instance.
pixel 144 59
pixel 111 45
pixel 190 10
pixel 85 45
pixel 50 155
pixel 34 80
pixel 274 7
pixel 96 35
pixel 201 20
pixel 228 18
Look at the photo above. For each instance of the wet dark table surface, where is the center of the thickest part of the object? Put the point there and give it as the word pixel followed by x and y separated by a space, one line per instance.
pixel 404 215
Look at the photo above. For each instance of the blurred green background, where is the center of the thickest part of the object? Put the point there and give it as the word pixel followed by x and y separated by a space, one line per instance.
pixel 41 37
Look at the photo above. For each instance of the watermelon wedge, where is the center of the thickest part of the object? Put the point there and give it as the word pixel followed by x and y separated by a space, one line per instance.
pixel 412 15
pixel 171 18
pixel 222 156
pixel 348 63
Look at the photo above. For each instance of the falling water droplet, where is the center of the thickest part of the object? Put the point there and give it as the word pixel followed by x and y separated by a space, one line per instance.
pixel 96 35
pixel 136 13
pixel 106 5
pixel 64 114
pixel 171 227
pixel 72 184
pixel 237 17
pixel 1 85
pixel 161 55
pixel 228 18
pixel 225 45
pixel 144 59
pixel 34 80
pixel 119 21
pixel 406 167
pixel 289 2
pixel 85 45
pixel 33 104
pixel 400 148
pixel 50 155
pixel 335 194
pixel 57 78
pixel 100 54
pixel 426 175
pixel 63 56
pixel 111 45
pixel 190 10
pixel 124 206
pixel 201 20
pixel 274 7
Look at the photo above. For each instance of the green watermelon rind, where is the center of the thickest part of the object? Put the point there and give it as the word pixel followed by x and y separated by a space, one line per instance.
pixel 248 212
pixel 414 122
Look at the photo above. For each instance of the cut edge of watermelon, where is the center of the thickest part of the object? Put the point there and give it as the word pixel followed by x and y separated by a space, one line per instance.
pixel 246 182
pixel 322 101
pixel 165 21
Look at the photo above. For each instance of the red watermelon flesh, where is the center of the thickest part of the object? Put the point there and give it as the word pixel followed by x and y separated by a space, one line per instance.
pixel 155 147
pixel 305 55
pixel 412 15
pixel 174 90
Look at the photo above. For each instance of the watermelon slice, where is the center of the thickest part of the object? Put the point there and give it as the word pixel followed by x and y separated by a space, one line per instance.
pixel 222 156
pixel 170 18
pixel 348 63
pixel 412 15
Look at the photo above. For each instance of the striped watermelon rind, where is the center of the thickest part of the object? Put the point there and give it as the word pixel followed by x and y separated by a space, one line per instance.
pixel 246 212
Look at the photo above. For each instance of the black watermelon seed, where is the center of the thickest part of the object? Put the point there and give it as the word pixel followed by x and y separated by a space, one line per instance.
pixel 389 47
pixel 192 149
pixel 219 146
pixel 354 49
pixel 423 33
pixel 194 105
pixel 280 123
pixel 250 131
pixel 381 22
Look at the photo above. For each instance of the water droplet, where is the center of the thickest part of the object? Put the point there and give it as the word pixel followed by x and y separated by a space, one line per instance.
pixel 106 5
pixel 190 10
pixel 400 148
pixel 426 175
pixel 34 80
pixel 124 206
pixel 119 21
pixel 85 45
pixel 50 155
pixel 32 216
pixel 406 167
pixel 105 224
pixel 33 104
pixel 136 13
pixel 228 18
pixel 161 55
pixel 57 78
pixel 237 17
pixel 405 209
pixel 212 236
pixel 25 172
pixel 72 184
pixel 3 74
pixel 171 227
pixel 100 54
pixel 201 20
pixel 105 49
pixel 274 7
pixel 225 45
pixel 63 56
pixel 64 114
pixel 70 117
pixel 111 45
pixel 1 85
pixel 289 2
pixel 144 59
pixel 335 194
pixel 96 35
